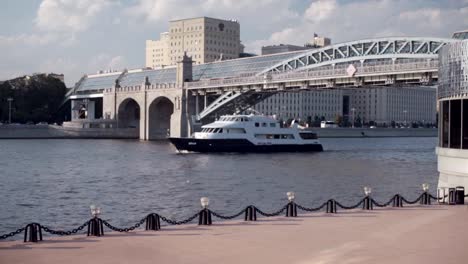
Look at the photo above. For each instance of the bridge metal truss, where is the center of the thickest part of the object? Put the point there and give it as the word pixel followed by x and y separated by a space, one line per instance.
pixel 234 101
pixel 371 49
pixel 374 62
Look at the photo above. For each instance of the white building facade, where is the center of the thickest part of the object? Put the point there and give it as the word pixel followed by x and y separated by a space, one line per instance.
pixel 204 39
pixel 404 105
pixel 305 105
pixel 381 105
pixel 452 150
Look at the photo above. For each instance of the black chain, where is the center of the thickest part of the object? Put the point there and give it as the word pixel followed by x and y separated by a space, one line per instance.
pixel 439 198
pixel 11 234
pixel 382 205
pixel 350 207
pixel 118 229
pixel 272 214
pixel 230 216
pixel 64 233
pixel 411 202
pixel 173 222
pixel 312 209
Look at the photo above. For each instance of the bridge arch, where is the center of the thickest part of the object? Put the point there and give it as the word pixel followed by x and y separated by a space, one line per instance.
pixel 363 50
pixel 128 115
pixel 159 118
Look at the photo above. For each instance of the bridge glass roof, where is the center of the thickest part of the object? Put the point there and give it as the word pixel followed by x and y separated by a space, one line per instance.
pixel 221 69
pixel 98 83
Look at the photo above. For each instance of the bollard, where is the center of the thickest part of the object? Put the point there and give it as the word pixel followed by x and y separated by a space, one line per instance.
pixel 452 198
pixel 459 195
pixel 331 206
pixel 204 217
pixel 153 222
pixel 250 213
pixel 397 201
pixel 95 227
pixel 367 205
pixel 425 199
pixel 441 198
pixel 291 210
pixel 35 233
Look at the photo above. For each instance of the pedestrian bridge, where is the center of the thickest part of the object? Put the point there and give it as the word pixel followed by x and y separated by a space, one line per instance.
pixel 187 94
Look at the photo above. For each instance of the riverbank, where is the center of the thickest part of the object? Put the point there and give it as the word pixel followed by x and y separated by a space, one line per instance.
pixel 59 132
pixel 433 234
pixel 374 132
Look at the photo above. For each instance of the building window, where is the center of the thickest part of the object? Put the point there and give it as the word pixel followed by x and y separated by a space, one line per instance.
pixel 445 124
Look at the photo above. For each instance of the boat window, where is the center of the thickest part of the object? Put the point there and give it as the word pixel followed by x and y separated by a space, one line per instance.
pixel 264 124
pixel 246 119
pixel 287 136
pixel 220 130
pixel 269 136
pixel 272 124
pixel 308 135
pixel 236 131
pixel 237 120
pixel 216 130
pixel 277 136
pixel 257 124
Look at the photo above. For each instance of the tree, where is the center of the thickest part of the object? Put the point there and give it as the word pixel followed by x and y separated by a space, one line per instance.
pixel 36 98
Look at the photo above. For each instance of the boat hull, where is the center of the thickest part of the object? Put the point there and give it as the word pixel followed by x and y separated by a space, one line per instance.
pixel 238 145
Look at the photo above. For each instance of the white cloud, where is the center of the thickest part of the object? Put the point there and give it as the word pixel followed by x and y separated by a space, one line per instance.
pixel 270 12
pixel 320 10
pixel 69 15
pixel 368 19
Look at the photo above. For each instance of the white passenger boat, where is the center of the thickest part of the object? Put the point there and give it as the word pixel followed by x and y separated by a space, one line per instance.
pixel 249 133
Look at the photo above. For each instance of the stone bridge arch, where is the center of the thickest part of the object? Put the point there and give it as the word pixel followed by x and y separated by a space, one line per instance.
pixel 160 112
pixel 129 114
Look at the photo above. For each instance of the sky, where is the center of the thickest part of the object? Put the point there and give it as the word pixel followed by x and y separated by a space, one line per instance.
pixel 75 37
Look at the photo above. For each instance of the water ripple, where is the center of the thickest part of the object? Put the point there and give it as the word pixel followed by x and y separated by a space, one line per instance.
pixel 54 181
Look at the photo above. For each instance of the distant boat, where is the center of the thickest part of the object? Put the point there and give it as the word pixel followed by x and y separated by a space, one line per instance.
pixel 249 133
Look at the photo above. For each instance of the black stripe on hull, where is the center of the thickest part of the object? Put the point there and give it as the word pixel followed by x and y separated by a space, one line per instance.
pixel 237 145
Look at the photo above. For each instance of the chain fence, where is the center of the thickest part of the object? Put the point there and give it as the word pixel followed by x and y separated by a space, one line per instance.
pixel 173 222
pixel 229 217
pixel 350 207
pixel 271 214
pixel 311 209
pixel 64 233
pixel 225 217
pixel 127 229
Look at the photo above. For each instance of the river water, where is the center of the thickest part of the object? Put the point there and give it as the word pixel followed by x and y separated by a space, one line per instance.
pixel 53 182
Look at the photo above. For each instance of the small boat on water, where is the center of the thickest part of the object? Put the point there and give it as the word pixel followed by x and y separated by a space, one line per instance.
pixel 249 133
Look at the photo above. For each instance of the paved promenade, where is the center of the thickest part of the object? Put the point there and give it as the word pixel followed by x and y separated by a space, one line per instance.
pixel 434 234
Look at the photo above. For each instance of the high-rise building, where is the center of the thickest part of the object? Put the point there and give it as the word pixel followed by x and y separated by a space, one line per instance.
pixel 204 39
pixel 157 51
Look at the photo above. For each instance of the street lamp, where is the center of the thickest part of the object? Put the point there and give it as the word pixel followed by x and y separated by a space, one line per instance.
pixel 205 201
pixel 291 196
pixel 353 110
pixel 9 109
